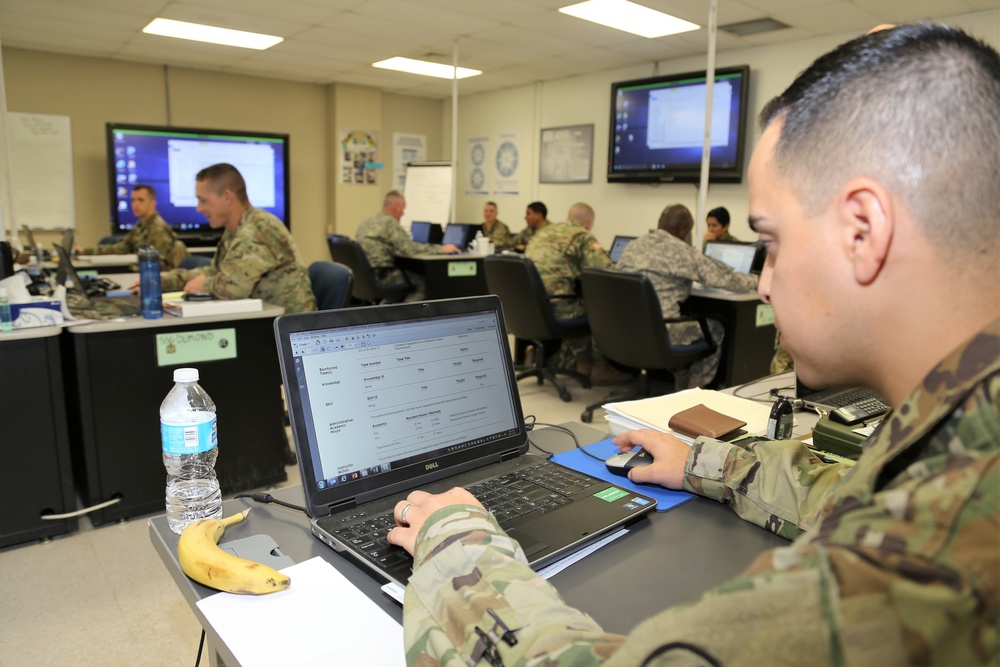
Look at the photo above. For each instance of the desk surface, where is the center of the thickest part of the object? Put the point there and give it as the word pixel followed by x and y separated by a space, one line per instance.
pixel 690 548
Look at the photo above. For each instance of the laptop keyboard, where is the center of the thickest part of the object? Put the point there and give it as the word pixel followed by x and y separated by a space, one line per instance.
pixel 866 400
pixel 540 488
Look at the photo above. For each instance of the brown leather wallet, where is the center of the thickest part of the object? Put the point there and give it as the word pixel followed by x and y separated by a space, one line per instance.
pixel 702 420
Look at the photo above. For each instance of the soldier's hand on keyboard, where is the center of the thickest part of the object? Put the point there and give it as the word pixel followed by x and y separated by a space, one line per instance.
pixel 669 456
pixel 410 514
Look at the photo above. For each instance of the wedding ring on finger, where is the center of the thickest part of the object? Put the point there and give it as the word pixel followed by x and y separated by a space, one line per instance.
pixel 402 514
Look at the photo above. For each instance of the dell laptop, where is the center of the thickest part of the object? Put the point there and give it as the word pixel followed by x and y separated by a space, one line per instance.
pixel 618 246
pixel 849 405
pixel 387 399
pixel 741 257
pixel 426 232
pixel 88 304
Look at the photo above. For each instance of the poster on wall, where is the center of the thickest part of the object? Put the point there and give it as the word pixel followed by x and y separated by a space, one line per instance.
pixel 406 148
pixel 507 161
pixel 566 154
pixel 479 171
pixel 358 157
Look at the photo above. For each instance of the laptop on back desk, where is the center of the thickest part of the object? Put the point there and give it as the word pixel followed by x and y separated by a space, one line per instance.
pixel 386 399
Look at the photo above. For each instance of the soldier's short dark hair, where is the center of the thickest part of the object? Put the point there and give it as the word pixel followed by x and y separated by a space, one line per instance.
pixel 493 204
pixel 914 107
pixel 720 214
pixel 675 219
pixel 539 207
pixel 147 188
pixel 223 176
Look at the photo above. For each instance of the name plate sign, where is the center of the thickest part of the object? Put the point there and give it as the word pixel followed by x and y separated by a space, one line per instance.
pixel 188 347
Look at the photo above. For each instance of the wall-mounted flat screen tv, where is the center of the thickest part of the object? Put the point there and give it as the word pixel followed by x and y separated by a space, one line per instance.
pixel 168 158
pixel 658 127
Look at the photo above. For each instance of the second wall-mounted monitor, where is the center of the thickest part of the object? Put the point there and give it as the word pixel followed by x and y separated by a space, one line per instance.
pixel 168 158
pixel 658 127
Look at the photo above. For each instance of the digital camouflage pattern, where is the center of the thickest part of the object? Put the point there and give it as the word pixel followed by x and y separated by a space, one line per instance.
pixel 672 265
pixel 156 232
pixel 526 234
pixel 257 261
pixel 560 252
pixel 500 235
pixel 895 562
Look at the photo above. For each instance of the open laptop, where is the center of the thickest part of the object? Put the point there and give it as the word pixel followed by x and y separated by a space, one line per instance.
pixel 618 246
pixel 460 234
pixel 84 303
pixel 33 246
pixel 426 232
pixel 741 257
pixel 848 405
pixel 386 399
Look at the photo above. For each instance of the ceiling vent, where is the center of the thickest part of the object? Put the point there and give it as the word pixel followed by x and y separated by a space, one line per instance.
pixel 755 27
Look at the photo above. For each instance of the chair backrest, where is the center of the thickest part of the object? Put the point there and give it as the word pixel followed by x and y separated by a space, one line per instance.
pixel 366 285
pixel 331 284
pixel 526 306
pixel 626 321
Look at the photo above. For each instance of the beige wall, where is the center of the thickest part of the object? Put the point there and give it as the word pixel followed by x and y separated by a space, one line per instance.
pixel 94 91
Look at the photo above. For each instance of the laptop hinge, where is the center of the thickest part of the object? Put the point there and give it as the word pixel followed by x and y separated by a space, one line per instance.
pixel 512 454
pixel 343 506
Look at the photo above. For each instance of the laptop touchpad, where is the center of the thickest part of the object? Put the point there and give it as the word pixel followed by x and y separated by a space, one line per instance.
pixel 529 544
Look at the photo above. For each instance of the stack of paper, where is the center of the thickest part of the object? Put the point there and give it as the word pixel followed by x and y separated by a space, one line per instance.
pixel 181 308
pixel 655 413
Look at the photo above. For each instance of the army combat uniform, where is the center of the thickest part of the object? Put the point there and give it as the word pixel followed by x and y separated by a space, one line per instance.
pixel 382 238
pixel 560 252
pixel 259 260
pixel 672 265
pixel 896 561
pixel 154 231
pixel 526 234
pixel 499 235
pixel 727 238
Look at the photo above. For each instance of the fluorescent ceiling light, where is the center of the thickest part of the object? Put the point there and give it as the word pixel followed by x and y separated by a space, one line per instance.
pixel 426 68
pixel 211 34
pixel 630 17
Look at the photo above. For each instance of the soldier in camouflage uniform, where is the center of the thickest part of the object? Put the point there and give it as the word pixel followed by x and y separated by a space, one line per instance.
pixel 150 228
pixel 536 215
pixel 894 561
pixel 672 265
pixel 382 238
pixel 495 230
pixel 256 257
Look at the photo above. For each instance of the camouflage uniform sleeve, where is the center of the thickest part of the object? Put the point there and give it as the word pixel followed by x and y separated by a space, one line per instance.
pixel 174 280
pixel 500 236
pixel 464 565
pixel 239 271
pixel 778 485
pixel 402 244
pixel 712 273
pixel 592 255
pixel 126 246
pixel 161 238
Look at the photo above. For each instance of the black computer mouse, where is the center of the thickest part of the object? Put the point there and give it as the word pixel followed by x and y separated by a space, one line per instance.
pixel 620 464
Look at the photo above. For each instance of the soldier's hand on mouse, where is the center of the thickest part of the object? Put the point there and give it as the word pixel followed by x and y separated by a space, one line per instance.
pixel 410 514
pixel 669 455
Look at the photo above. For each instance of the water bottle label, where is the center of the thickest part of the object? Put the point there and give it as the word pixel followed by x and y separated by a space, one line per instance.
pixel 189 438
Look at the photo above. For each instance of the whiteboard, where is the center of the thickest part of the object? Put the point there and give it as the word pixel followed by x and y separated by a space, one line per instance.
pixel 428 193
pixel 41 167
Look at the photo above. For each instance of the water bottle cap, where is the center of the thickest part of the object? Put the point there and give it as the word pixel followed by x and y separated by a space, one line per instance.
pixel 185 375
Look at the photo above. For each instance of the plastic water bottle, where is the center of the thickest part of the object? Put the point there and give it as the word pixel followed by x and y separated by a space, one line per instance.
pixel 6 321
pixel 190 447
pixel 150 287
pixel 33 269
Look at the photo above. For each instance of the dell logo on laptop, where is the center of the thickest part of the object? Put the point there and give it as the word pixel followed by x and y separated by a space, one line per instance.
pixel 431 466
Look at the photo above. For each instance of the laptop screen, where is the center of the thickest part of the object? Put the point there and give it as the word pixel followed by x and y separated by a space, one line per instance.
pixel 420 232
pixel 618 246
pixel 372 398
pixel 737 256
pixel 459 234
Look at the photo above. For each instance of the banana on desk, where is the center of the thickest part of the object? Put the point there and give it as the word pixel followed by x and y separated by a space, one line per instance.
pixel 201 559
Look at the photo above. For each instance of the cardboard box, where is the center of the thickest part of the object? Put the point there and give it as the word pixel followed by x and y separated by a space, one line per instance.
pixel 41 312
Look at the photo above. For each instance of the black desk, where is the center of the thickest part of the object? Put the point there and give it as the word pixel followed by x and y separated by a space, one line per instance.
pixel 114 388
pixel 749 343
pixel 691 548
pixel 36 477
pixel 448 276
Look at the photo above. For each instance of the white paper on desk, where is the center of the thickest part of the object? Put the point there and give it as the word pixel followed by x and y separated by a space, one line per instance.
pixel 322 618
pixel 656 412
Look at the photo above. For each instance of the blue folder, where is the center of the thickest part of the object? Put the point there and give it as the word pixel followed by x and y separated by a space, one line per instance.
pixel 577 460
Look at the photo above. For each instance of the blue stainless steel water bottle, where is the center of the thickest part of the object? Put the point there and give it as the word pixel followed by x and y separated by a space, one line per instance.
pixel 150 287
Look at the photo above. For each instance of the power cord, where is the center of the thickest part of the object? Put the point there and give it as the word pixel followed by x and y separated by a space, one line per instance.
pixel 267 498
pixel 530 423
pixel 693 648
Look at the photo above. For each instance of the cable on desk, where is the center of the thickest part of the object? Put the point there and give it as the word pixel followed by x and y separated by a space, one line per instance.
pixel 201 645
pixel 742 394
pixel 529 425
pixel 685 646
pixel 80 512
pixel 267 498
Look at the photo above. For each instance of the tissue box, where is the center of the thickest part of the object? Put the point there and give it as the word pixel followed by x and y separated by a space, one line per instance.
pixel 41 312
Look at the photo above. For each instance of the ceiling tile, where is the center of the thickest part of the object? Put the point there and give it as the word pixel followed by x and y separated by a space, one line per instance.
pixel 829 19
pixel 777 36
pixel 15 37
pixel 907 11
pixel 656 49
pixel 489 10
pixel 583 32
pixel 58 28
pixel 140 7
pixel 385 32
pixel 774 6
pixel 216 16
pixel 696 11
pixel 149 48
pixel 529 39
pixel 81 16
pixel 286 10
pixel 412 15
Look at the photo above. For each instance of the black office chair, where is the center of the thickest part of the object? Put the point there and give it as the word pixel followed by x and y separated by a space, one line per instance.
pixel 627 324
pixel 331 284
pixel 528 311
pixel 367 288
